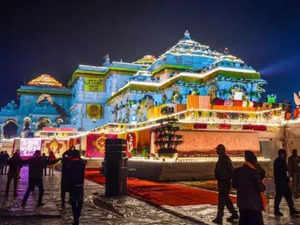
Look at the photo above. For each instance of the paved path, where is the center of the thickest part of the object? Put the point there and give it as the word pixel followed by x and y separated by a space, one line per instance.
pixel 126 210
pixel 206 213
pixel 137 212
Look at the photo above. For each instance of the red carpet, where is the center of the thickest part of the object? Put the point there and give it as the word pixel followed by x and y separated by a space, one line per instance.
pixel 162 193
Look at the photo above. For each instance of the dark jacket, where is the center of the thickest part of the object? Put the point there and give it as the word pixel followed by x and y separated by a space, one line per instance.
pixel 281 178
pixel 1 158
pixel 280 171
pixel 248 183
pixel 45 159
pixel 5 158
pixel 261 171
pixel 65 160
pixel 76 177
pixel 223 170
pixel 36 165
pixel 294 165
pixel 14 163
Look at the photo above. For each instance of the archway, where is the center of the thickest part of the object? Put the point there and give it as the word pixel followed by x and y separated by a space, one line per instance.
pixel 10 129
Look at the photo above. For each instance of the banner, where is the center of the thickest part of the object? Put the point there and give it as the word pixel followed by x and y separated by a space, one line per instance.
pixel 93 84
pixel 94 111
pixel 131 143
pixel 29 145
pixel 58 147
pixel 75 142
pixel 60 129
pixel 96 144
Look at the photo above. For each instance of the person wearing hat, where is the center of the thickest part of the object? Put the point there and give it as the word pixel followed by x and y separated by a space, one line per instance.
pixel 247 180
pixel 282 184
pixel 223 175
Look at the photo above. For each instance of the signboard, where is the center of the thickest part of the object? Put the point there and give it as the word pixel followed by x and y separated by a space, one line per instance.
pixel 93 84
pixel 59 129
pixel 96 144
pixel 94 111
pixel 131 143
pixel 58 147
pixel 29 145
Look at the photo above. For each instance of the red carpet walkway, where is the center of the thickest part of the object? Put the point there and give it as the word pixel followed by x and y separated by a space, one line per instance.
pixel 162 193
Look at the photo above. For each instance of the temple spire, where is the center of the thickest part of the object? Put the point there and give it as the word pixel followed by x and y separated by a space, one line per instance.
pixel 187 35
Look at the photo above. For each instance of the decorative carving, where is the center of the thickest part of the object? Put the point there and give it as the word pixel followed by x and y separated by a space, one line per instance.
pixel 44 96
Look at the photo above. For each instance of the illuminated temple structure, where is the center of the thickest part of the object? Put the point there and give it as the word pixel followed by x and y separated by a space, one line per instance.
pixel 215 96
pixel 43 102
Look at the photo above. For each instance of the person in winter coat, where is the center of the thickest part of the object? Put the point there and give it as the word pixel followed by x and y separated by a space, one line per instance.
pixel 223 174
pixel 5 161
pixel 65 173
pixel 52 166
pixel 294 171
pixel 45 158
pixel 75 181
pixel 14 163
pixel 36 166
pixel 247 180
pixel 282 182
pixel 1 162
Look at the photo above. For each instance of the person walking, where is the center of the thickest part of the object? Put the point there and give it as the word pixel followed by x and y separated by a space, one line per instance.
pixel 76 184
pixel 247 180
pixel 45 158
pixel 223 175
pixel 282 184
pixel 52 166
pixel 36 166
pixel 14 163
pixel 5 161
pixel 294 171
pixel 64 174
pixel 19 169
pixel 1 162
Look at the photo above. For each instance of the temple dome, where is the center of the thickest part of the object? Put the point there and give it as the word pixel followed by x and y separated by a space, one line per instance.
pixel 45 80
pixel 147 59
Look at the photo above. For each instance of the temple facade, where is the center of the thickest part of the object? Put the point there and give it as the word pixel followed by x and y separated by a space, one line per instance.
pixel 42 102
pixel 188 76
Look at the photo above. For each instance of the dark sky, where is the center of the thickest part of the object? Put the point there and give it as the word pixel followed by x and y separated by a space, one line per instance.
pixel 55 36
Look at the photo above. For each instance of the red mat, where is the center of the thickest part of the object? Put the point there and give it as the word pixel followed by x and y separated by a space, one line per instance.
pixel 162 193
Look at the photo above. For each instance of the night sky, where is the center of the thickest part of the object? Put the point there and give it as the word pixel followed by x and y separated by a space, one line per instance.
pixel 55 36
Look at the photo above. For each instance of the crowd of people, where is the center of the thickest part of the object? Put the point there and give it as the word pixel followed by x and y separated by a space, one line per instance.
pixel 72 176
pixel 249 182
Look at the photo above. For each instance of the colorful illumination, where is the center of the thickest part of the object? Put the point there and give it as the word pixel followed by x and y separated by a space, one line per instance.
pixel 45 80
pixel 29 145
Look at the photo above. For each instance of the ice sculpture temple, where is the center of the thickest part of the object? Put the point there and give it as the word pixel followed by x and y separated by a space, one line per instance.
pixel 216 98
